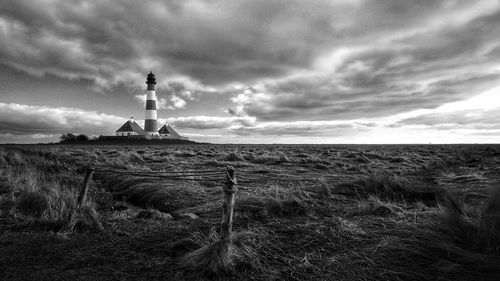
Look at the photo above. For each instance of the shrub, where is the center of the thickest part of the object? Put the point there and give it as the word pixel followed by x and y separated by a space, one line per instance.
pixel 68 137
pixel 82 137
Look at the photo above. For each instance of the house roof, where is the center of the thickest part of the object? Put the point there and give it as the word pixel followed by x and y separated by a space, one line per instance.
pixel 131 127
pixel 167 130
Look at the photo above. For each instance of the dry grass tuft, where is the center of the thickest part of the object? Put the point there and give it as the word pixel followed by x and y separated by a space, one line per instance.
pixel 30 203
pixel 220 258
pixel 182 247
pixel 11 157
pixel 233 156
pixel 7 205
pixel 374 206
pixel 461 243
pixel 291 206
pixel 489 224
pixel 268 158
pixel 215 259
pixel 158 194
pixel 41 194
pixel 261 208
pixel 153 214
pixel 322 190
pixel 387 185
pixel 84 218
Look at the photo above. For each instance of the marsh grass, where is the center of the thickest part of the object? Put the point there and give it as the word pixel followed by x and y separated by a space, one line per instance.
pixel 384 184
pixel 44 198
pixel 153 214
pixel 459 242
pixel 233 156
pixel 374 206
pixel 304 213
pixel 268 158
pixel 291 202
pixel 165 196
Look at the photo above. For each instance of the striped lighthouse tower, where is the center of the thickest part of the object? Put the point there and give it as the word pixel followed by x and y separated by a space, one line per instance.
pixel 151 123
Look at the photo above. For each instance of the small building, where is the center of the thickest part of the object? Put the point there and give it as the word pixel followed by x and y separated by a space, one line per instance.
pixel 130 128
pixel 167 132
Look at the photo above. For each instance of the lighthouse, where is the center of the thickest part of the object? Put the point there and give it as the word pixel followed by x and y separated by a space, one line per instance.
pixel 132 130
pixel 151 123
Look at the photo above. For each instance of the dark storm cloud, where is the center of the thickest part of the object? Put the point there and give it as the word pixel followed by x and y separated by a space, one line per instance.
pixel 214 42
pixel 422 69
pixel 307 100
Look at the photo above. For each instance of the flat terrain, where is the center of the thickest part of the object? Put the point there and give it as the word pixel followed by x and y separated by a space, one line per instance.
pixel 302 212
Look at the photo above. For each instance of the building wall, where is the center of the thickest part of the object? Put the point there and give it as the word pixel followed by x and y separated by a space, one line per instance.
pixel 172 137
pixel 124 134
pixel 152 137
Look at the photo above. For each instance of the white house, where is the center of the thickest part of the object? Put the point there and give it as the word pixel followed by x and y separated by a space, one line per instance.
pixel 130 128
pixel 167 132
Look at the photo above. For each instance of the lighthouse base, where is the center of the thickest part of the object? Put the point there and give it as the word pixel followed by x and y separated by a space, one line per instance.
pixel 152 136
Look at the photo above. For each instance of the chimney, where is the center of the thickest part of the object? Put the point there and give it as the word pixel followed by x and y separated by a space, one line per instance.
pixel 132 120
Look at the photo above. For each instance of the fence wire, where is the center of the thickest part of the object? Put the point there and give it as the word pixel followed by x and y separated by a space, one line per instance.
pixel 172 175
pixel 243 176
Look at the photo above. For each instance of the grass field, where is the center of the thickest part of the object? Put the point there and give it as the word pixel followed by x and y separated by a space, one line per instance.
pixel 302 212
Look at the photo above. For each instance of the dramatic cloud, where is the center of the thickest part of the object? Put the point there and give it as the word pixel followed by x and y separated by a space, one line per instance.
pixel 163 103
pixel 42 121
pixel 210 122
pixel 463 119
pixel 304 129
pixel 265 68
pixel 403 72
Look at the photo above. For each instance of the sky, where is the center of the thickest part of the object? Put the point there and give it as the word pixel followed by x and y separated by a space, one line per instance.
pixel 255 71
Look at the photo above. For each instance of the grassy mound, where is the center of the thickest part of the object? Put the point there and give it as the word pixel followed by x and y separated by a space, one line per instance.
pixel 153 214
pixel 44 198
pixel 461 243
pixel 163 195
pixel 261 208
pixel 387 185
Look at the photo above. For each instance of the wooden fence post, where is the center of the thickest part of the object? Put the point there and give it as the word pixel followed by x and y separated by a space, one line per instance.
pixel 85 187
pixel 228 204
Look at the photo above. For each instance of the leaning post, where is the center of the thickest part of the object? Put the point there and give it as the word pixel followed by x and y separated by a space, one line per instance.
pixel 85 186
pixel 228 204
